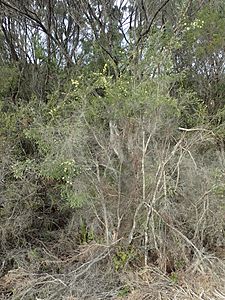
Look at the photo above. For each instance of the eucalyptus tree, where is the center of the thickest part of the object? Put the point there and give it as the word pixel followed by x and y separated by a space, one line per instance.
pixel 120 33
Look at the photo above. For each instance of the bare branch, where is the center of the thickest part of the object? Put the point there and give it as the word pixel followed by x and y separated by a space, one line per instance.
pixel 142 35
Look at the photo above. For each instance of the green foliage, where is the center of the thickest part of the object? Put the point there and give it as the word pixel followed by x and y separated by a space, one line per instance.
pixel 211 31
pixel 122 257
pixel 219 186
pixel 157 59
pixel 174 278
pixel 48 144
pixel 127 97
pixel 179 264
pixel 8 80
pixel 57 162
pixel 21 168
pixel 86 234
pixel 72 197
pixel 193 111
pixel 204 34
pixel 123 292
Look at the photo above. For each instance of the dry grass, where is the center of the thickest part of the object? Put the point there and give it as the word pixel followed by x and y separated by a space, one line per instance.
pixel 90 274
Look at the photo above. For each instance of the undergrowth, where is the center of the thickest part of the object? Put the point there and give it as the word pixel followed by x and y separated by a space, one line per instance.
pixel 105 193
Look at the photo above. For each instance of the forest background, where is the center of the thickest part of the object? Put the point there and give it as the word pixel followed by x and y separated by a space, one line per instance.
pixel 112 129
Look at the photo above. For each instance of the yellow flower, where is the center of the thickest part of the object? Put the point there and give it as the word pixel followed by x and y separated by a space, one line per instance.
pixel 75 82
pixel 105 68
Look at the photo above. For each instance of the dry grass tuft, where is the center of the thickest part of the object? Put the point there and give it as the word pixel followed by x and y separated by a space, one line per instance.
pixel 90 274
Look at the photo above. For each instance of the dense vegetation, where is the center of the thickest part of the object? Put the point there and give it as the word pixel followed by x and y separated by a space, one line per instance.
pixel 112 129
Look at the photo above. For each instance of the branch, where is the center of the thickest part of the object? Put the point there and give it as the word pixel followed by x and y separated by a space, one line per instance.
pixel 194 129
pixel 151 22
pixel 34 18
